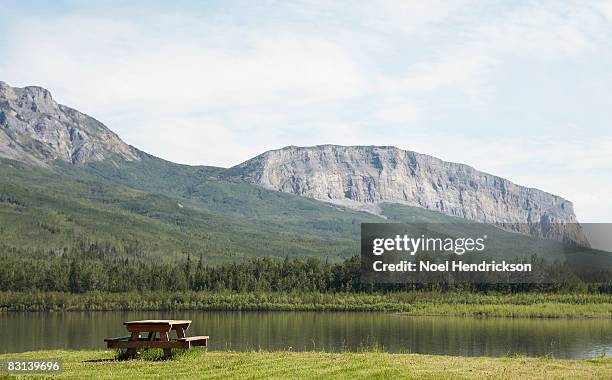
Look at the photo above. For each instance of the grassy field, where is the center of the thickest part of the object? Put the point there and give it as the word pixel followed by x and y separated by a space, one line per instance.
pixel 287 365
pixel 530 305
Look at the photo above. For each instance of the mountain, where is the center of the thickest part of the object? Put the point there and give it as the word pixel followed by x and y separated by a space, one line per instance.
pixel 364 177
pixel 70 185
pixel 35 129
pixel 151 209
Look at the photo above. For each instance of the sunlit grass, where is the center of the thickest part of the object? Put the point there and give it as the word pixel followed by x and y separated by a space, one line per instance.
pixel 299 365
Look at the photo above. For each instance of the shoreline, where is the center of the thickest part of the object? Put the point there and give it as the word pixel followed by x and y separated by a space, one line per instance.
pixel 398 313
pixel 456 304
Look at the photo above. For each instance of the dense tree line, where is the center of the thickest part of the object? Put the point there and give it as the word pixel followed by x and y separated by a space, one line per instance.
pixel 78 275
pixel 120 275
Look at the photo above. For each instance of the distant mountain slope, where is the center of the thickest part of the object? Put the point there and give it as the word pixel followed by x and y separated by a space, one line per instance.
pixel 37 130
pixel 67 183
pixel 363 177
pixel 76 209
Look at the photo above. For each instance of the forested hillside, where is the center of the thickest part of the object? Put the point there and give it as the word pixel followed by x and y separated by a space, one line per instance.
pixel 151 209
pixel 169 213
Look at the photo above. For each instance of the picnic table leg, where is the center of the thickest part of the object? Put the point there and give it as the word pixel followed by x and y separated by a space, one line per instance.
pixel 131 352
pixel 180 333
pixel 165 338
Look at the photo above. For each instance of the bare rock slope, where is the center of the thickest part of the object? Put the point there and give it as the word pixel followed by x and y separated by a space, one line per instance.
pixel 363 177
pixel 35 129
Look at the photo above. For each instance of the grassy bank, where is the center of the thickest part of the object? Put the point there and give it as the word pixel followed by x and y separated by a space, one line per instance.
pixel 265 365
pixel 532 305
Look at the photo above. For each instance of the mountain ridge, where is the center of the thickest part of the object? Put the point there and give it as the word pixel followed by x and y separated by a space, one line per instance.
pixel 34 128
pixel 363 177
pixel 397 148
pixel 37 130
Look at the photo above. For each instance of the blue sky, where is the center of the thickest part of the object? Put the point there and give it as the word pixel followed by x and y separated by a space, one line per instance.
pixel 518 89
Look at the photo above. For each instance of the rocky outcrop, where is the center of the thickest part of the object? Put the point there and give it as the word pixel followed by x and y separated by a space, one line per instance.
pixel 35 129
pixel 363 177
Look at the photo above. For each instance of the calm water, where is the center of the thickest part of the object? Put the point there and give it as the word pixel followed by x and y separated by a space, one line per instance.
pixel 323 331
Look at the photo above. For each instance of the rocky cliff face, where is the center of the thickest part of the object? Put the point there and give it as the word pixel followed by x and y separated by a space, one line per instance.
pixel 363 177
pixel 35 129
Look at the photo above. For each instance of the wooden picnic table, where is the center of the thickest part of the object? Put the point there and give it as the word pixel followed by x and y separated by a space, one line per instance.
pixel 154 327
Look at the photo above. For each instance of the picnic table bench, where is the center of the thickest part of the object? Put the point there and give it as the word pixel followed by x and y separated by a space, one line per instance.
pixel 158 336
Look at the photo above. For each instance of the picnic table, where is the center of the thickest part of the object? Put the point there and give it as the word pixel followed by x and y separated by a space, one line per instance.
pixel 158 336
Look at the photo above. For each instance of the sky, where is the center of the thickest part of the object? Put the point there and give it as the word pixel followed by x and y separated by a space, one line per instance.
pixel 519 89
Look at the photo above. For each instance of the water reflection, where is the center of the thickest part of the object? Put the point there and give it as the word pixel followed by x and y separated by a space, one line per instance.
pixel 327 331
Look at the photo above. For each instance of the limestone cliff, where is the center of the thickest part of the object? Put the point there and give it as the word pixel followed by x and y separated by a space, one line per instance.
pixel 35 129
pixel 363 177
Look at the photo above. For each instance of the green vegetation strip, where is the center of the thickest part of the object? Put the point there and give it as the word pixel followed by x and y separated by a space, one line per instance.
pixel 530 305
pixel 299 365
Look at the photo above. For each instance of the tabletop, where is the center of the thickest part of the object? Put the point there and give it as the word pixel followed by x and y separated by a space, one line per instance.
pixel 159 321
pixel 159 325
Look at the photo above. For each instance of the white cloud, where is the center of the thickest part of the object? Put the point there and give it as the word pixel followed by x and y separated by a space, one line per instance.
pixel 215 87
pixel 604 7
pixel 464 69
pixel 528 32
pixel 111 62
pixel 394 110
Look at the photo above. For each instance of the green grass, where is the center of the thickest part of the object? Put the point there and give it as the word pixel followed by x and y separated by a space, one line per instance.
pixel 300 365
pixel 525 305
